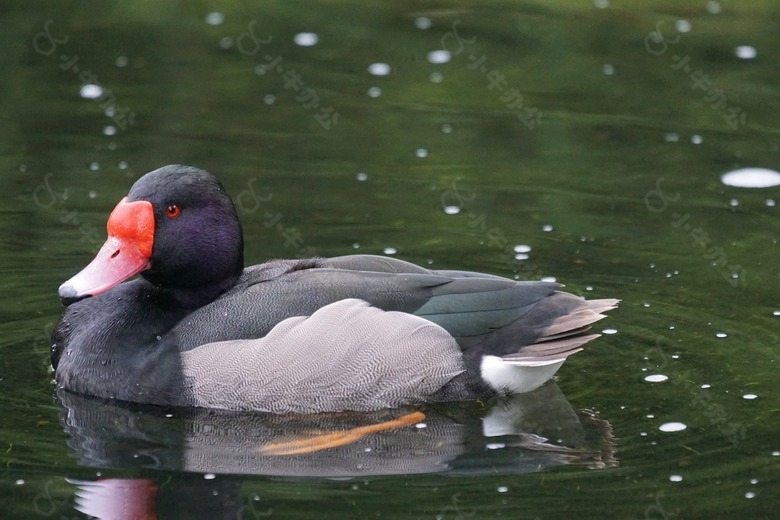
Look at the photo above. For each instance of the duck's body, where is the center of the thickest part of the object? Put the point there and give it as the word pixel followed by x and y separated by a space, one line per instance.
pixel 358 332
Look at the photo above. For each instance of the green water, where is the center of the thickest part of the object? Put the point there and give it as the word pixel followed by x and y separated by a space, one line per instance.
pixel 612 151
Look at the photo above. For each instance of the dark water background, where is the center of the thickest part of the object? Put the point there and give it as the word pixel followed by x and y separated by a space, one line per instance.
pixel 608 168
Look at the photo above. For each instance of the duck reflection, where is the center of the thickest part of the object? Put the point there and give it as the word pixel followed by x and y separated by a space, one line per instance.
pixel 520 433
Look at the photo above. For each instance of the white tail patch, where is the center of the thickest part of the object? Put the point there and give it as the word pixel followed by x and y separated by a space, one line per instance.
pixel 507 377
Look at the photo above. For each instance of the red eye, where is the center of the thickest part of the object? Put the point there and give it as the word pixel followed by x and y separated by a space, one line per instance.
pixel 172 211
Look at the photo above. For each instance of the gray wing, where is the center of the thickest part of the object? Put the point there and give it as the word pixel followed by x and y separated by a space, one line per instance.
pixel 346 355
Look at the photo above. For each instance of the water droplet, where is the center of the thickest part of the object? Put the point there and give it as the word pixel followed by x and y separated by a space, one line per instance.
pixel 682 26
pixel 746 52
pixel 713 7
pixel 374 92
pixel 751 178
pixel 390 251
pixel 215 18
pixel 776 453
pixel 422 22
pixel 452 210
pixel 306 39
pixel 656 378
pixel 379 69
pixel 675 478
pixel 440 56
pixel 361 176
pixel 91 91
pixel 750 397
pixel 672 427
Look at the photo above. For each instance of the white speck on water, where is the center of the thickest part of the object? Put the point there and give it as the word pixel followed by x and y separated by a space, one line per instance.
pixel 776 313
pixel 656 378
pixel 109 130
pixel 682 26
pixel 306 39
pixel 495 445
pixel 446 128
pixel 547 228
pixel 226 42
pixel 522 248
pixel 420 425
pixel 215 18
pixel 751 178
pixel 713 7
pixel 122 165
pixel 92 194
pixel 440 56
pixel 645 305
pixel 374 92
pixel 609 331
pixel 94 166
pixel 436 77
pixel 421 153
pixel 770 203
pixel 601 4
pixel 168 415
pixel 502 489
pixel 721 335
pixel 746 52
pixel 754 481
pixel 608 69
pixel 643 434
pixel 750 494
pixel 521 256
pixel 675 478
pixel 776 453
pixel 452 210
pixel 91 91
pixel 706 386
pixel 671 137
pixel 361 176
pixel 650 416
pixel 672 427
pixel 588 287
pixel 550 279
pixel 121 61
pixel 379 69
pixel 696 139
pixel 676 356
pixel 390 250
pixel 750 397
pixel 733 203
pixel 209 476
pixel 269 99
pixel 356 246
pixel 422 22
pixel 20 482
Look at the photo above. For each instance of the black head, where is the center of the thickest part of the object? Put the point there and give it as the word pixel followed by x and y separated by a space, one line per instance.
pixel 178 228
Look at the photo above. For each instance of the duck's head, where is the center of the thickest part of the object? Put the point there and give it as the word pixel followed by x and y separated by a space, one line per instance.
pixel 177 227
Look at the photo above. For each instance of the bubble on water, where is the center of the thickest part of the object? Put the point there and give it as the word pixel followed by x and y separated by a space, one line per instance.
pixel 91 91
pixel 502 489
pixel 656 378
pixel 770 203
pixel 547 228
pixel 422 22
pixel 495 445
pixel 209 476
pixel 750 494
pixel 675 478
pixel 390 250
pixel 269 99
pixel 374 92
pixel 452 210
pixel 682 26
pixel 696 139
pixel 705 386
pixel 746 52
pixel 94 166
pixel 439 56
pixel 109 130
pixel 356 245
pixel 609 331
pixel 92 194
pixel 672 427
pixel 361 176
pixel 446 128
pixel 776 313
pixel 215 18
pixel 750 397
pixel 421 153
pixel 20 482
pixel 608 69
pixel 754 481
pixel 721 335
pixel 379 69
pixel 521 256
pixel 306 39
pixel 522 248
pixel 751 178
pixel 122 165
pixel 549 279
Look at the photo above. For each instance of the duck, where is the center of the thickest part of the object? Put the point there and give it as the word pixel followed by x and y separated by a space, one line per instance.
pixel 167 314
